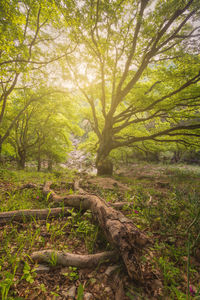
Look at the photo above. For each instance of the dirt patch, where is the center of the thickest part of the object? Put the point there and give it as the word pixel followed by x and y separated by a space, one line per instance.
pixel 108 183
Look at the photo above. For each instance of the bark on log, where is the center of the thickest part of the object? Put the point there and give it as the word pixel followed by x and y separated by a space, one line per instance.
pixel 20 215
pixel 119 230
pixel 130 242
pixel 74 260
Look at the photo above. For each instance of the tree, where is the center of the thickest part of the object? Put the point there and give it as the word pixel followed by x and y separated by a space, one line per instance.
pixel 29 31
pixel 43 130
pixel 137 67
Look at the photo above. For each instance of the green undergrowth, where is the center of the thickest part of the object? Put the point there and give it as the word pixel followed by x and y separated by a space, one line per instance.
pixel 77 233
pixel 14 198
pixel 164 201
pixel 167 207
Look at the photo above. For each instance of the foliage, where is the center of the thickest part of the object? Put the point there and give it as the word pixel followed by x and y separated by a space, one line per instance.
pixel 139 77
pixel 132 69
pixel 80 292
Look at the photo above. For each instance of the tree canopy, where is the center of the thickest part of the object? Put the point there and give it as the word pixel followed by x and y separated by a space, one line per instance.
pixel 133 64
pixel 144 61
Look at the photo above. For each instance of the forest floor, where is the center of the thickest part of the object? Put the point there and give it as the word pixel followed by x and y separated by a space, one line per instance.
pixel 164 202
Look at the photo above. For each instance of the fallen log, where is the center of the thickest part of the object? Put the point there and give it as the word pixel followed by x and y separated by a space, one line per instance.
pixel 130 242
pixel 41 214
pixel 74 260
pixel 119 230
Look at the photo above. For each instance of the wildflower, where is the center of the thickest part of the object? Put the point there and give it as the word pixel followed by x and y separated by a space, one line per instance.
pixel 192 292
pixel 37 197
pixel 136 212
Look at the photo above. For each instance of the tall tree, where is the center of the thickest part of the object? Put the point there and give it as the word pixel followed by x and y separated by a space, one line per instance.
pixel 137 67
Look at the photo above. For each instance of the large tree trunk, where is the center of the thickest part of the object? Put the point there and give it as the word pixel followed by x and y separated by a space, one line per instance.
pixel 104 167
pixel 104 164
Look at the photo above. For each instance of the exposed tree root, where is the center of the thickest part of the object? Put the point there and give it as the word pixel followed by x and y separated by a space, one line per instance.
pixel 42 214
pixel 50 193
pixel 119 230
pixel 119 205
pixel 74 260
pixel 131 243
pixel 20 215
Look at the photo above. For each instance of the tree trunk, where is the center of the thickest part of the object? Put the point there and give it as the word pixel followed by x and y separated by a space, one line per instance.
pixel 104 164
pixel 21 162
pixel 39 158
pixel 21 158
pixel 39 163
pixel 0 148
pixel 104 167
pixel 50 165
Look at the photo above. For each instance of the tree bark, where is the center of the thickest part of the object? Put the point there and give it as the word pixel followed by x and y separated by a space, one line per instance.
pixel 39 164
pixel 21 160
pixel 104 164
pixel 104 167
pixel 119 230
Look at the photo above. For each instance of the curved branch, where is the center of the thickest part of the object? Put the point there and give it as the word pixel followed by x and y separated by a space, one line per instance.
pixel 165 132
pixel 75 260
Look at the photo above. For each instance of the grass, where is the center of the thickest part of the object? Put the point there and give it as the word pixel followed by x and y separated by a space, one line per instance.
pixel 165 202
pixel 167 207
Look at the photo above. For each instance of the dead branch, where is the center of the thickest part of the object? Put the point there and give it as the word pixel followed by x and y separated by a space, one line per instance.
pixel 74 260
pixel 20 215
